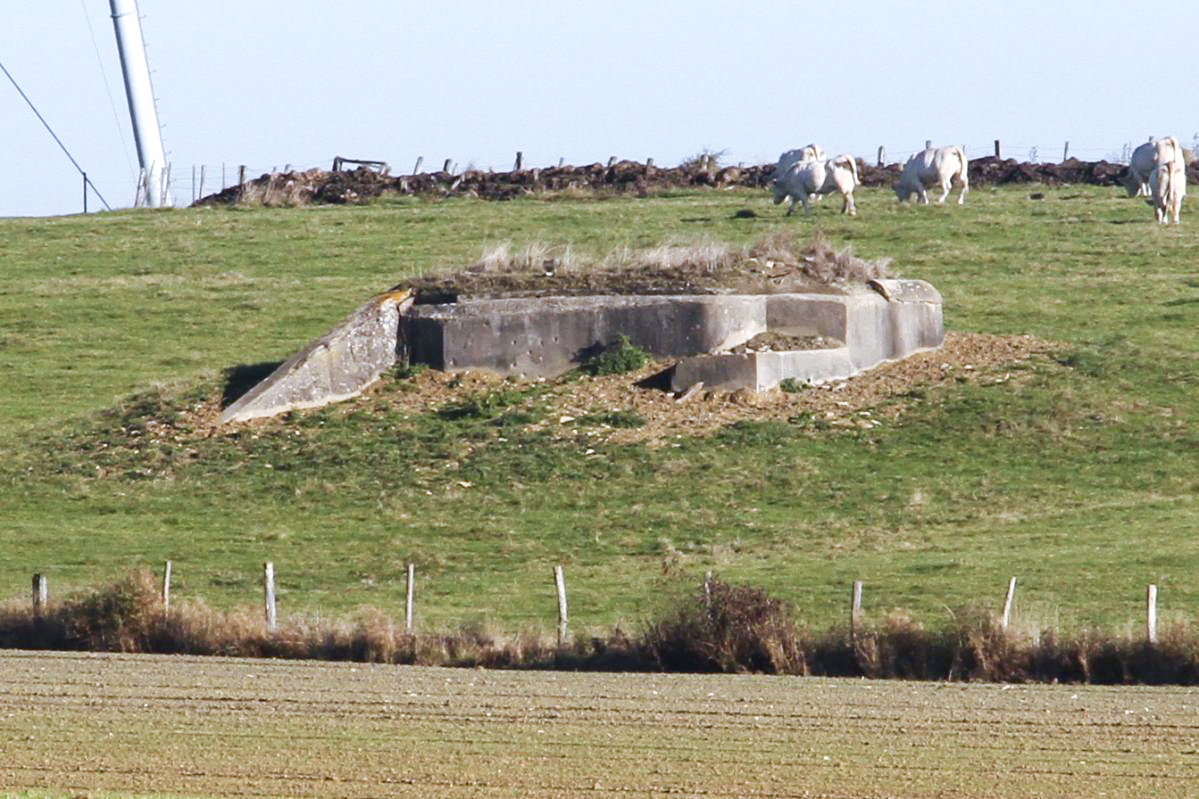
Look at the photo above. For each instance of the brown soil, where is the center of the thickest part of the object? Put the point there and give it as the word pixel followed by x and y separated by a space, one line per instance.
pixel 83 724
pixel 873 398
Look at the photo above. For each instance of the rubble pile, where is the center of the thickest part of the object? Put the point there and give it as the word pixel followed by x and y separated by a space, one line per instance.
pixel 618 177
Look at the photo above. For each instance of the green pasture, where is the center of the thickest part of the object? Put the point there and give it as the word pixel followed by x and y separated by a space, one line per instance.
pixel 1078 476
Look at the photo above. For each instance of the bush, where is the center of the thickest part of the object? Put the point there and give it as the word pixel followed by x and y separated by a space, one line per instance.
pixel 728 628
pixel 618 359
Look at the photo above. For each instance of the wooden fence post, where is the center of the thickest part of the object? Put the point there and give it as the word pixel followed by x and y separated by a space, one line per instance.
pixel 997 148
pixel 85 192
pixel 268 585
pixel 1066 152
pixel 408 598
pixel 560 582
pixel 855 611
pixel 241 175
pixel 882 154
pixel 928 144
pixel 1007 603
pixel 1151 613
pixel 203 175
pixel 41 594
pixel 166 588
pixel 520 159
pixel 416 167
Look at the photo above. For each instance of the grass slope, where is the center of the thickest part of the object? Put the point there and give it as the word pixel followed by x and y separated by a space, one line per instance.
pixel 1078 474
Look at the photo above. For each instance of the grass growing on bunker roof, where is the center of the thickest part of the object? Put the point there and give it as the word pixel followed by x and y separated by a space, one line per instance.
pixel 779 261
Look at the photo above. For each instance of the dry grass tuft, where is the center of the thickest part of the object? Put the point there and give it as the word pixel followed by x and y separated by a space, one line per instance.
pixel 777 263
pixel 818 259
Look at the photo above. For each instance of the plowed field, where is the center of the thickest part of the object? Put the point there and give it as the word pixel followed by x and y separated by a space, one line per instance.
pixel 216 727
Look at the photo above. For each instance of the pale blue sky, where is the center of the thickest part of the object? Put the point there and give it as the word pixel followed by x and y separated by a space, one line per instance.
pixel 271 83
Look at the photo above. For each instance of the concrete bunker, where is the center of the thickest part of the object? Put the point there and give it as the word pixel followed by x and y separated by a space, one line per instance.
pixel 855 327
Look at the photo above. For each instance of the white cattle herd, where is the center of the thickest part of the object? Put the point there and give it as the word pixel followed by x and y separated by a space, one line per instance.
pixel 1156 171
pixel 807 174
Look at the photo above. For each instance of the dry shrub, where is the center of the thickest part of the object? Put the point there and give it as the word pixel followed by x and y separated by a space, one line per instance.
pixel 905 649
pixel 984 650
pixel 727 628
pixel 1105 660
pixel 121 617
pixel 818 260
pixel 973 647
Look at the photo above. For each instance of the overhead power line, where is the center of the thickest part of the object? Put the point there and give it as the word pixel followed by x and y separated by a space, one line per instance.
pixel 42 119
pixel 108 89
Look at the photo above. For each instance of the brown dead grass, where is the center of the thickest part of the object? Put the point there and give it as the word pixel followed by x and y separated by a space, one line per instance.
pixel 717 627
pixel 776 264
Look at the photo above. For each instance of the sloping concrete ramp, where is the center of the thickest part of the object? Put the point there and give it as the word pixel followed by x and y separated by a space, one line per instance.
pixel 543 337
pixel 335 367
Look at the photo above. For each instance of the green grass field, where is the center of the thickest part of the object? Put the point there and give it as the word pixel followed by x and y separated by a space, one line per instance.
pixel 1079 478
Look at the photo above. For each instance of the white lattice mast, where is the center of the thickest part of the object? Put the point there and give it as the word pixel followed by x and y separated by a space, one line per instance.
pixel 152 189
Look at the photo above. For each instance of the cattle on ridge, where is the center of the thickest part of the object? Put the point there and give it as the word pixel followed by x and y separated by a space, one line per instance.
pixel 1168 180
pixel 943 166
pixel 804 181
pixel 812 152
pixel 1140 165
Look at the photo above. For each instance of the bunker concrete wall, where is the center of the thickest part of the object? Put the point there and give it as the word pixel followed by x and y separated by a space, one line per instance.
pixel 542 337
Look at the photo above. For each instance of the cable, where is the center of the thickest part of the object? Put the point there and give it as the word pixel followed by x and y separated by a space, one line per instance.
pixel 108 88
pixel 42 119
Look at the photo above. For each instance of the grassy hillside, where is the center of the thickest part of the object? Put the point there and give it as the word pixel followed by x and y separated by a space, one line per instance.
pixel 1075 472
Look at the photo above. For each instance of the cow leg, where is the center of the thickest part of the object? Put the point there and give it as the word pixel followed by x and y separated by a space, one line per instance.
pixel 923 196
pixel 944 193
pixel 848 207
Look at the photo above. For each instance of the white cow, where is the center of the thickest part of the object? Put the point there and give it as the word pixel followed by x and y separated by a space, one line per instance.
pixel 813 152
pixel 1168 180
pixel 805 181
pixel 944 167
pixel 1140 165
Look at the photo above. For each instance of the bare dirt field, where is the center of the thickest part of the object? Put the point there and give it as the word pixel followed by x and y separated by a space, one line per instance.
pixel 83 724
